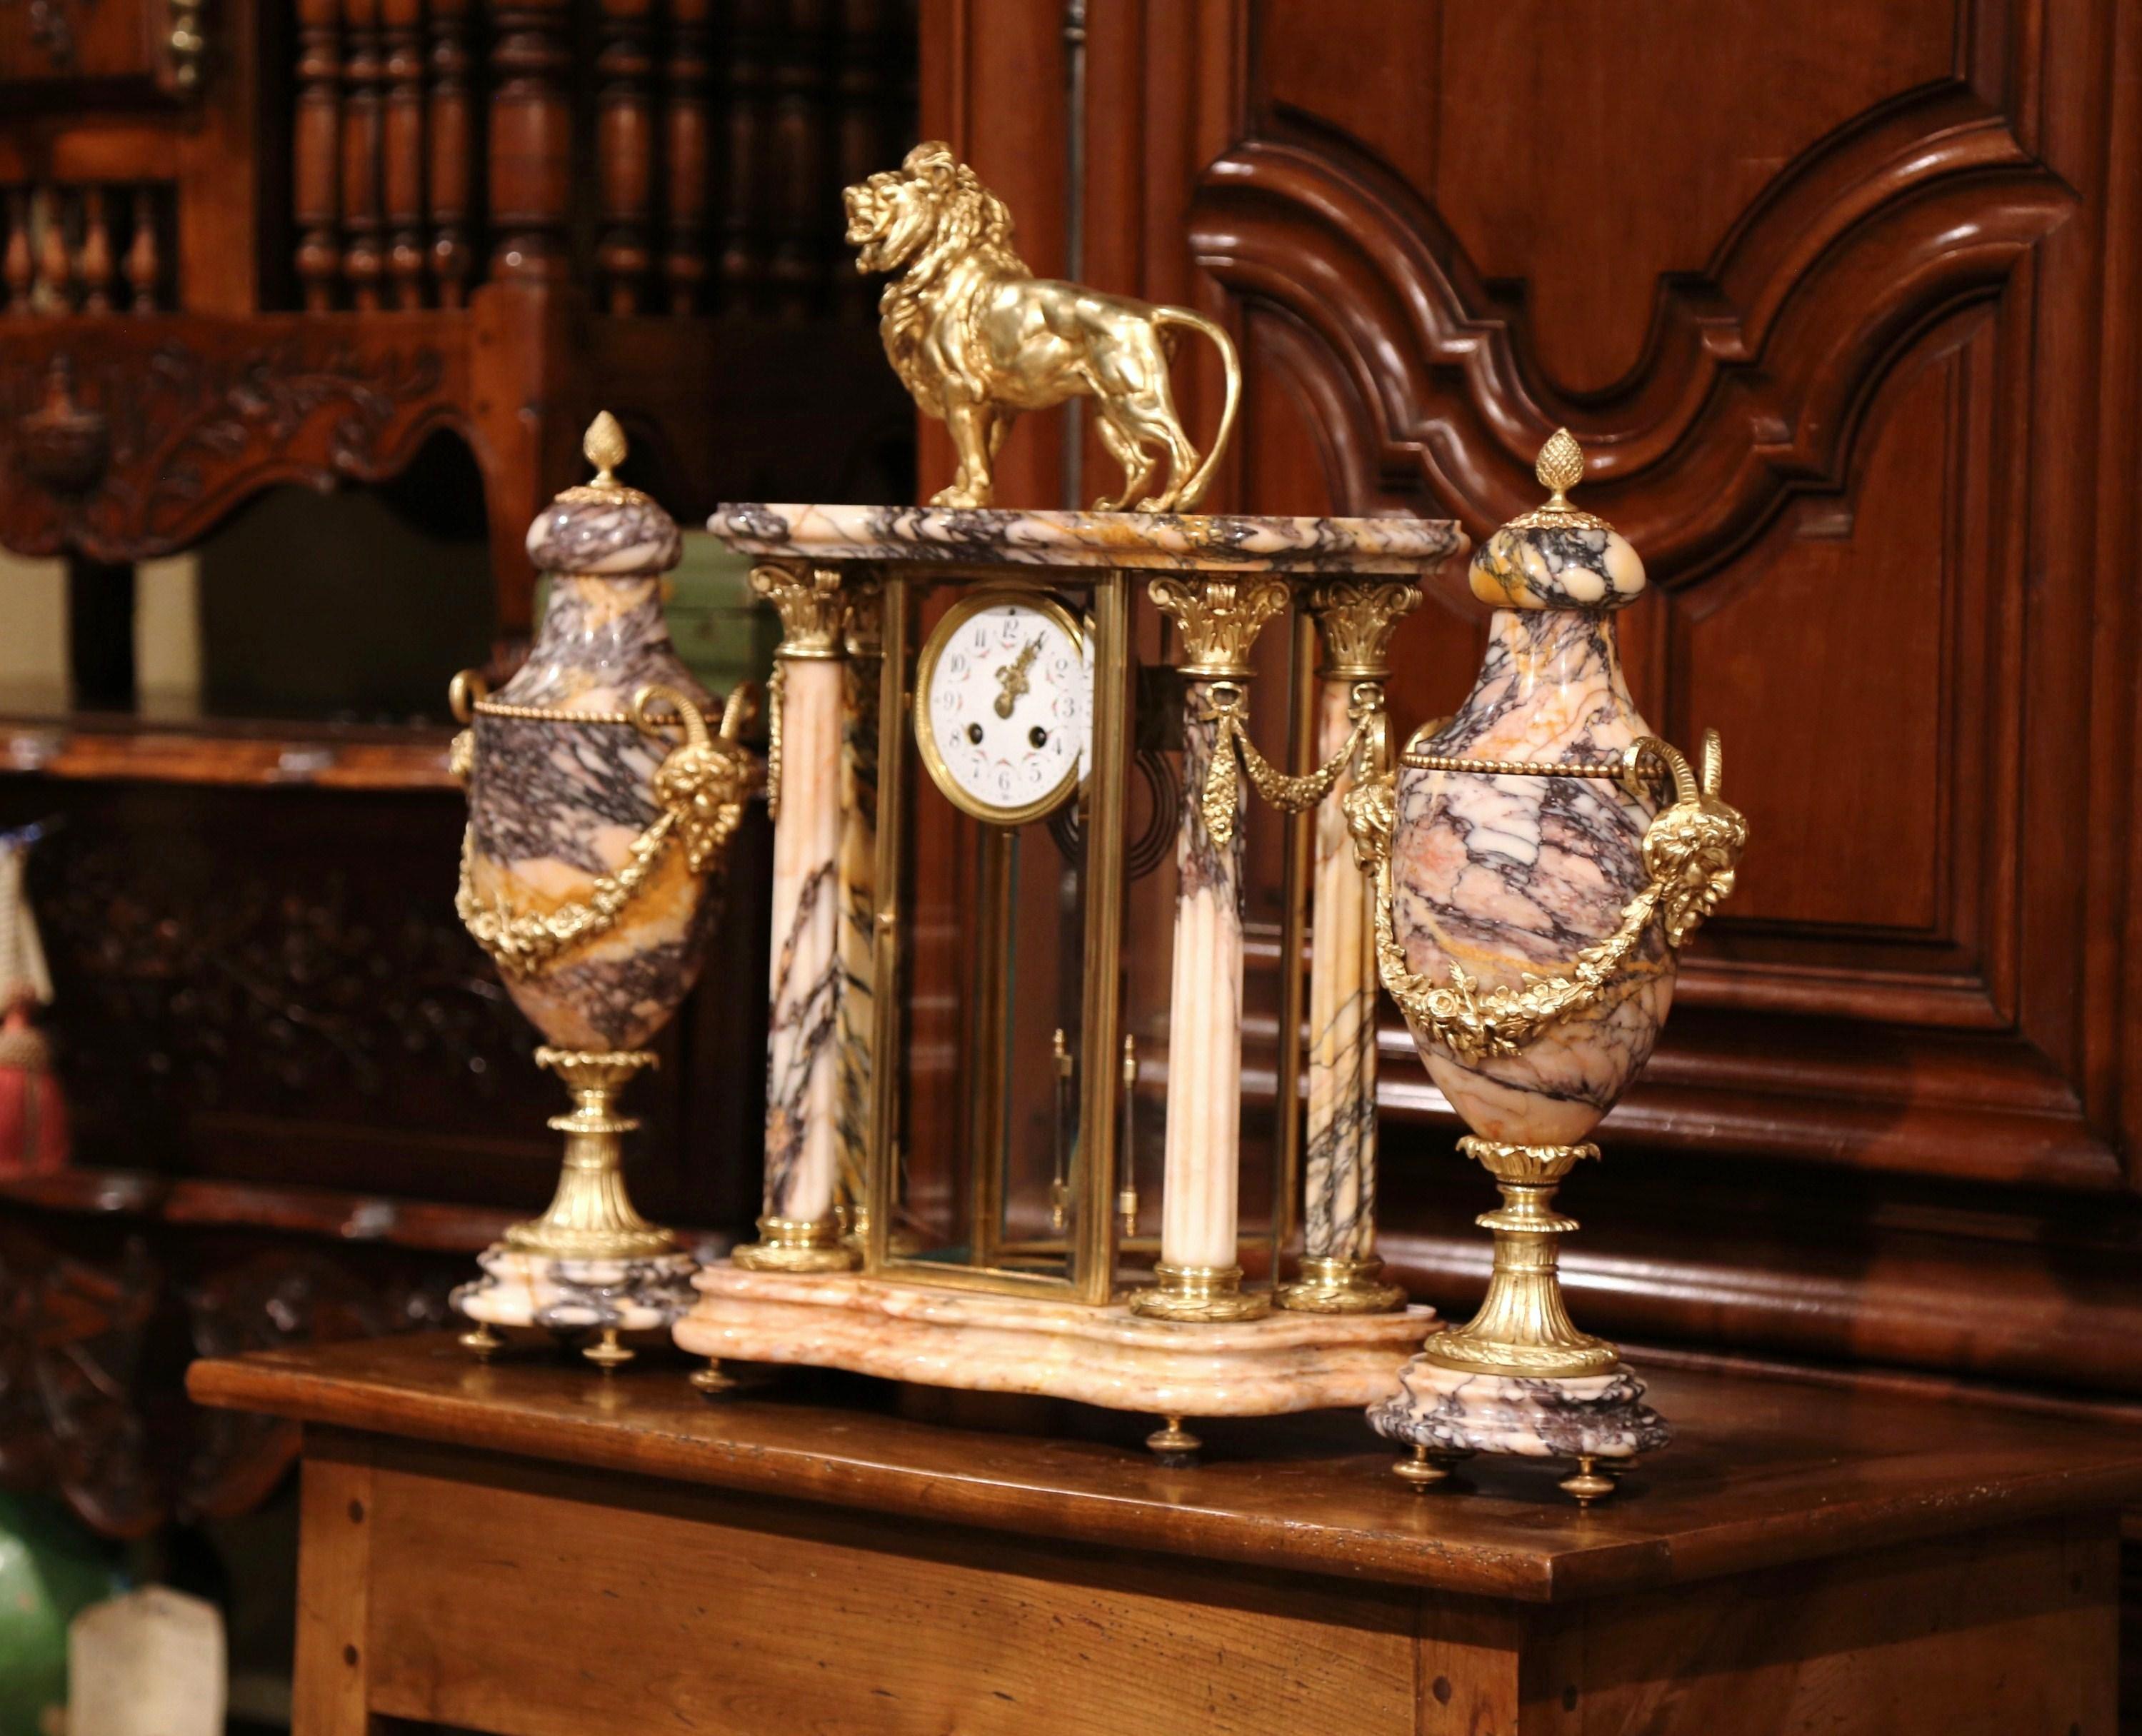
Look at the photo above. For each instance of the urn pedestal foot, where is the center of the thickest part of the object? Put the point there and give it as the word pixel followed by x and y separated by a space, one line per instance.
pixel 1174 1445
pixel 568 1298
pixel 1444 1414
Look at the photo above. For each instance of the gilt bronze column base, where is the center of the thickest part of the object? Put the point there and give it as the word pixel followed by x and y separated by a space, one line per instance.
pixel 1199 1293
pixel 1341 1286
pixel 798 1245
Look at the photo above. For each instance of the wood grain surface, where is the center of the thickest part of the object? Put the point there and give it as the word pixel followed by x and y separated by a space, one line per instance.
pixel 1764 1471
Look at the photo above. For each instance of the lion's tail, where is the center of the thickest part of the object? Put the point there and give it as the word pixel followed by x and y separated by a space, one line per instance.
pixel 1193 491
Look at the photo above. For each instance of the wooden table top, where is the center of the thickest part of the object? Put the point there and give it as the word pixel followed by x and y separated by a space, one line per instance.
pixel 1763 1470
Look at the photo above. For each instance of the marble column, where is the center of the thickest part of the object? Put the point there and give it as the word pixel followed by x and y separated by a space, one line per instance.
pixel 799 1229
pixel 1339 1271
pixel 861 674
pixel 1198 1276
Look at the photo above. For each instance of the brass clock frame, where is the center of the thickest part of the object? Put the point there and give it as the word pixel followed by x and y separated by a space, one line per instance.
pixel 1091 1242
pixel 963 610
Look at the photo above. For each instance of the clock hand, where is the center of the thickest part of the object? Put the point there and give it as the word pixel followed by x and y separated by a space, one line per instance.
pixel 1011 678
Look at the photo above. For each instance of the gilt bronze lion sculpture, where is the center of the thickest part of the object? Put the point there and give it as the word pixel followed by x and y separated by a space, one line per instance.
pixel 977 337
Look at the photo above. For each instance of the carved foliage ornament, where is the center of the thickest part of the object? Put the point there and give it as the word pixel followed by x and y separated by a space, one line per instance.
pixel 136 447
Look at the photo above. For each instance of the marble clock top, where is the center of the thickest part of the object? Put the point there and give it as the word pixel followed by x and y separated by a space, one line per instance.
pixel 1162 541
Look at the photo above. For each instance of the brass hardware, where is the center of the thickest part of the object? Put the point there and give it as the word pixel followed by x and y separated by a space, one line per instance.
pixel 796 1245
pixel 976 338
pixel 1357 618
pixel 712 1380
pixel 1424 1470
pixel 1590 1483
pixel 1689 850
pixel 1059 1191
pixel 485 1342
pixel 1219 619
pixel 1560 467
pixel 701 785
pixel 1011 680
pixel 606 1353
pixel 1523 1326
pixel 1511 768
pixel 602 446
pixel 1174 1444
pixel 1341 1286
pixel 1202 1293
pixel 1228 706
pixel 590 1216
pixel 1126 1194
pixel 813 605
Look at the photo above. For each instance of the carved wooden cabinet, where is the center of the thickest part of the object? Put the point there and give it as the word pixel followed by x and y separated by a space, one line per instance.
pixel 280 240
pixel 261 242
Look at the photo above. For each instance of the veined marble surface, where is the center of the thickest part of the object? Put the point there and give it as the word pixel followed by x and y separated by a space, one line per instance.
pixel 1581 564
pixel 1140 540
pixel 801 1081
pixel 1339 1149
pixel 1105 1356
pixel 1514 876
pixel 603 531
pixel 577 1296
pixel 1201 1163
pixel 1600 1416
pixel 555 805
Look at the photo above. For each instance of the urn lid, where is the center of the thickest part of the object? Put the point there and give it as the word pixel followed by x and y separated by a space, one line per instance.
pixel 1558 556
pixel 601 527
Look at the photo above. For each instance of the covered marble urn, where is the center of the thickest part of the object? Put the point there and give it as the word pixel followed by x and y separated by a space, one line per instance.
pixel 1540 858
pixel 1500 879
pixel 600 806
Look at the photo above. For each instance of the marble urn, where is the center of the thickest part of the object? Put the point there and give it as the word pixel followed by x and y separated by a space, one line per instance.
pixel 601 806
pixel 1541 856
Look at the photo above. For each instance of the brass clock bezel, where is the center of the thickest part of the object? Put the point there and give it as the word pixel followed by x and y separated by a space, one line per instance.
pixel 974 603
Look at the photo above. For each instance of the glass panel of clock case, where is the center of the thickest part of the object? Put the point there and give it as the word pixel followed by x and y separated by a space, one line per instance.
pixel 993 897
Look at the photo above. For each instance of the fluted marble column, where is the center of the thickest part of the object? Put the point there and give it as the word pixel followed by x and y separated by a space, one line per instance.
pixel 1339 1271
pixel 1198 1277
pixel 798 1228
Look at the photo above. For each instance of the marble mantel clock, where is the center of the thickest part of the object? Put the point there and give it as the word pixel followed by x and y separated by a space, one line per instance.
pixel 1010 766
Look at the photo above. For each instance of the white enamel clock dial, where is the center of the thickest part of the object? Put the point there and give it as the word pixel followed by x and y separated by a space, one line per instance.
pixel 1004 705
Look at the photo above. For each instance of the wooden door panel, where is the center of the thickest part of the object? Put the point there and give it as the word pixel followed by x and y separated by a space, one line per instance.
pixel 1781 298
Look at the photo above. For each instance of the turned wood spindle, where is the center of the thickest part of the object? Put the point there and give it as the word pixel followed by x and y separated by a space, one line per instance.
pixel 18 269
pixel 687 120
pixel 144 265
pixel 531 135
pixel 625 144
pixel 98 267
pixel 363 260
pixel 453 136
pixel 402 146
pixel 316 153
pixel 56 264
pixel 743 208
pixel 797 174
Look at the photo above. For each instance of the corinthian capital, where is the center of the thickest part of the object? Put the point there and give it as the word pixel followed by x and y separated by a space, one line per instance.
pixel 1219 616
pixel 813 605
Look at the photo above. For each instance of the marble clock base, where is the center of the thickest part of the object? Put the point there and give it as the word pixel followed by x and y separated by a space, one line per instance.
pixel 1104 1356
pixel 1444 1414
pixel 571 1298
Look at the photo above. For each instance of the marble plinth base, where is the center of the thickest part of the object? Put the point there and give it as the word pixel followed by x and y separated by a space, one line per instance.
pixel 1446 1413
pixel 547 1293
pixel 1104 1356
